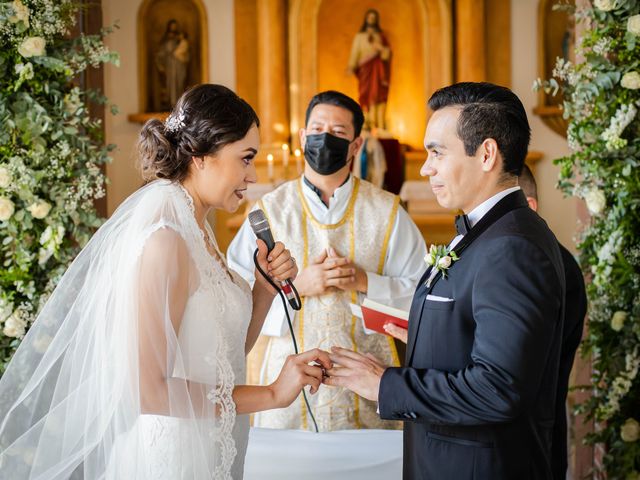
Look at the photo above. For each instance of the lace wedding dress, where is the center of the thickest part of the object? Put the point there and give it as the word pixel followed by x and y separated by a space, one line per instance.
pixel 146 335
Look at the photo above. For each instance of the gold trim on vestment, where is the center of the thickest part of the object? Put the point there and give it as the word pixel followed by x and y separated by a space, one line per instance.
pixel 383 257
pixel 347 214
pixel 354 319
pixel 305 264
pixel 387 235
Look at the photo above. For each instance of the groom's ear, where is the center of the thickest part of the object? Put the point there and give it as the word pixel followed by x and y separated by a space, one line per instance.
pixel 489 155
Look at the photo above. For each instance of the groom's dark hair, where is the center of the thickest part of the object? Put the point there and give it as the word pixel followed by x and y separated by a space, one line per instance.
pixel 488 111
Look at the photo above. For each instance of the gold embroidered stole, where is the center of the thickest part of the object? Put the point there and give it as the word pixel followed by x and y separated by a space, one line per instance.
pixel 362 234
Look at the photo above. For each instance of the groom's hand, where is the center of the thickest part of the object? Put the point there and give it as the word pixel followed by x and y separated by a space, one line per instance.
pixel 396 332
pixel 359 373
pixel 298 371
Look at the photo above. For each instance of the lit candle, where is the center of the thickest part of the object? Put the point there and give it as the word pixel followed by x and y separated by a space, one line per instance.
pixel 298 156
pixel 270 167
pixel 285 155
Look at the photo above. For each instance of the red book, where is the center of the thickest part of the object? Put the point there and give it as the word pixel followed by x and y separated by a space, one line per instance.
pixel 377 315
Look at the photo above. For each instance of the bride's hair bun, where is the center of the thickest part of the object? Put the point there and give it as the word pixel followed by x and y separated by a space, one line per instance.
pixel 158 156
pixel 205 119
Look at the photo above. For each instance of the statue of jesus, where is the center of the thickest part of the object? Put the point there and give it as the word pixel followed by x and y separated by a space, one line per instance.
pixel 370 61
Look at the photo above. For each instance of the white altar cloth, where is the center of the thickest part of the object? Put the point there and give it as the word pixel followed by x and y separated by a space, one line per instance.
pixel 341 455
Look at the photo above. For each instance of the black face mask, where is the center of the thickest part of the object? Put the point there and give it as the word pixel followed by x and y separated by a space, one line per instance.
pixel 326 153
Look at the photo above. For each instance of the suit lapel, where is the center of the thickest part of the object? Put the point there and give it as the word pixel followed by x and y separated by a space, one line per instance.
pixel 505 205
pixel 415 313
pixel 511 202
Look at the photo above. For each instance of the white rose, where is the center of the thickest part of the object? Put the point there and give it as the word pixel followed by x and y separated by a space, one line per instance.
pixel 32 47
pixel 630 430
pixel 605 5
pixel 631 80
pixel 633 24
pixel 618 319
pixel 444 262
pixel 21 13
pixel 596 201
pixel 13 327
pixel 428 259
pixel 6 209
pixel 5 177
pixel 39 209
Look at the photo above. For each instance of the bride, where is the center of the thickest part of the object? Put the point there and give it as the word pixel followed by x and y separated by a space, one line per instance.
pixel 134 367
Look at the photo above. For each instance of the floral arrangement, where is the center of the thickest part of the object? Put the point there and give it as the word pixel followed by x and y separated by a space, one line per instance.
pixel 440 257
pixel 51 151
pixel 601 99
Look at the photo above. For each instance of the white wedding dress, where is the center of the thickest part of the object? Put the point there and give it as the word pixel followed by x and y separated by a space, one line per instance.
pixel 120 393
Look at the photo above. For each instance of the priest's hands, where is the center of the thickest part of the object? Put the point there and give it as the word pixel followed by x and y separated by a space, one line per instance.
pixel 297 373
pixel 279 265
pixel 330 270
pixel 359 373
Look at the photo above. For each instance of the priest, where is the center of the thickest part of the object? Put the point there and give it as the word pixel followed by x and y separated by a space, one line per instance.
pixel 352 240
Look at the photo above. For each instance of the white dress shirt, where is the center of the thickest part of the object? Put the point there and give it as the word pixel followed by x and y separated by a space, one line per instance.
pixel 474 217
pixel 402 270
pixel 481 210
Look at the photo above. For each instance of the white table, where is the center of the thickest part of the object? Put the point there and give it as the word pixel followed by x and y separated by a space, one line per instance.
pixel 342 455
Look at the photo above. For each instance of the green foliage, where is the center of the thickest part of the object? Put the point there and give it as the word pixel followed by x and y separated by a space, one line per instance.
pixel 51 152
pixel 601 101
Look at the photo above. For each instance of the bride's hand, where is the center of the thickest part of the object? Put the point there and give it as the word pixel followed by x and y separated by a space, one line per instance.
pixel 279 265
pixel 296 373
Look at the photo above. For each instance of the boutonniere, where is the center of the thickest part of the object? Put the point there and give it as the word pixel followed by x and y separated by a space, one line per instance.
pixel 440 258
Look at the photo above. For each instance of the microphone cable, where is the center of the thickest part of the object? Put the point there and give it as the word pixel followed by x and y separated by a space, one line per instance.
pixel 286 312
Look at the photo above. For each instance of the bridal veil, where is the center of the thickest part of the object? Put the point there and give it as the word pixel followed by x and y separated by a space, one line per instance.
pixel 104 354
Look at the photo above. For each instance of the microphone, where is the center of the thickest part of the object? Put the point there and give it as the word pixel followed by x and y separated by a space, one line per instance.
pixel 260 227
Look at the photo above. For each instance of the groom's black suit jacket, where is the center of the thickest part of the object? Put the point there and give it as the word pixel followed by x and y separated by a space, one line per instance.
pixel 478 391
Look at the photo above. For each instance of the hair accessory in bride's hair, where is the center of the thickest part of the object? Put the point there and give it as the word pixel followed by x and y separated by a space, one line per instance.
pixel 174 122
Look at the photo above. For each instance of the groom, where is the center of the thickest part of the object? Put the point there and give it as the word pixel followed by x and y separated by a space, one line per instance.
pixel 478 391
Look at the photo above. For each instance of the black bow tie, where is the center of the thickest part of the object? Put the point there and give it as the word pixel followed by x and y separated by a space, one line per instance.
pixel 462 224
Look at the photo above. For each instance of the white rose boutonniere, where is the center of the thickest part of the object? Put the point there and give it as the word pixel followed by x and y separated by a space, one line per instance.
pixel 630 430
pixel 440 258
pixel 32 47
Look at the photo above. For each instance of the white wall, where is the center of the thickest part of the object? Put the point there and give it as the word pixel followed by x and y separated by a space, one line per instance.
pixel 121 83
pixel 559 212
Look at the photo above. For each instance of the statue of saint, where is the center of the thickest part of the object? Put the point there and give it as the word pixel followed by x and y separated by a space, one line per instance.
pixel 172 62
pixel 370 61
